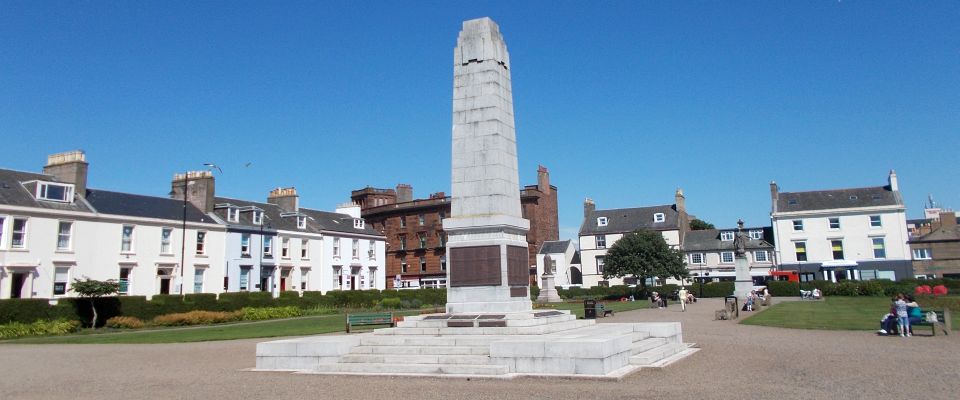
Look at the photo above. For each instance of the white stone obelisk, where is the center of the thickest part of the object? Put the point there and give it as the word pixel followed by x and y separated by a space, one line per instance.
pixel 487 248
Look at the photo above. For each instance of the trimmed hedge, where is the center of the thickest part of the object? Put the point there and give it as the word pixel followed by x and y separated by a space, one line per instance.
pixel 38 328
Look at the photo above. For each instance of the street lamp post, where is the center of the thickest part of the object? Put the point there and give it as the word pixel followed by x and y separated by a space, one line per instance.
pixel 183 226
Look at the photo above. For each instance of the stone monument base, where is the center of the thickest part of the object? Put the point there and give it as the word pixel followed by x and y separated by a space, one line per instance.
pixel 535 343
pixel 548 290
pixel 744 283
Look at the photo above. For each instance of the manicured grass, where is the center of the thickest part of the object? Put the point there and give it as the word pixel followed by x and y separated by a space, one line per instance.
pixel 833 313
pixel 617 306
pixel 261 329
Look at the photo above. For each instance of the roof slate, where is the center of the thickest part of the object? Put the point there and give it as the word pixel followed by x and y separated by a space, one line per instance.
pixel 134 205
pixel 838 199
pixel 951 233
pixel 624 220
pixel 709 240
pixel 13 193
pixel 554 246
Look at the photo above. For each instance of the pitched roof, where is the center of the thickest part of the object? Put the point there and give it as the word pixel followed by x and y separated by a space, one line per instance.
pixel 272 218
pixel 331 221
pixel 838 199
pixel 13 192
pixel 623 220
pixel 709 240
pixel 942 234
pixel 135 205
pixel 554 246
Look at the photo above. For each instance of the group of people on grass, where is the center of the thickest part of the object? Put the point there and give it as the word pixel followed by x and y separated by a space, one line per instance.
pixel 904 312
pixel 814 294
pixel 756 297
pixel 660 301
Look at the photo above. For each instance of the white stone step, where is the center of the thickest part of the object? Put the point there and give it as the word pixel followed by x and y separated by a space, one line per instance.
pixel 657 353
pixel 414 359
pixel 400 369
pixel 646 344
pixel 425 350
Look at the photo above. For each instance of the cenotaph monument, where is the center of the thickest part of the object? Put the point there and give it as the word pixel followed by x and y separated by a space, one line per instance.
pixel 744 283
pixel 489 328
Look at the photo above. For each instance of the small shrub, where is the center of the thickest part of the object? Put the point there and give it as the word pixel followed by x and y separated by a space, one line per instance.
pixel 197 318
pixel 121 322
pixel 262 313
pixel 38 328
pixel 922 290
pixel 870 288
pixel 845 288
pixel 939 290
pixel 391 303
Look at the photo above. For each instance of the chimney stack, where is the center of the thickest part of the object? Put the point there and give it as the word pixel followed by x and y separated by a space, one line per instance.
pixel 285 198
pixel 588 207
pixel 892 181
pixel 948 220
pixel 680 200
pixel 404 193
pixel 199 187
pixel 69 167
pixel 774 195
pixel 543 180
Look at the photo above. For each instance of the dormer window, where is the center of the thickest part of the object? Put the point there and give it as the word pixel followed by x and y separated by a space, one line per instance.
pixel 602 221
pixel 233 214
pixel 301 222
pixel 792 202
pixel 258 217
pixel 358 223
pixel 659 217
pixel 756 234
pixel 55 192
pixel 726 236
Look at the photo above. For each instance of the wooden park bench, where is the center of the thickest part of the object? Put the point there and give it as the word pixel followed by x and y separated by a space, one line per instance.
pixel 370 319
pixel 943 322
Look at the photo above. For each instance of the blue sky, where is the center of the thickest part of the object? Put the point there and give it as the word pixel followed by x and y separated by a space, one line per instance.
pixel 622 101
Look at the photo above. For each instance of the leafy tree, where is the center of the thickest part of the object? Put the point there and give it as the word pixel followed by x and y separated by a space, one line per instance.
pixel 698 224
pixel 644 254
pixel 94 289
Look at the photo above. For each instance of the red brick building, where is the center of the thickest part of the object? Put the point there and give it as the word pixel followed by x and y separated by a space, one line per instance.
pixel 416 243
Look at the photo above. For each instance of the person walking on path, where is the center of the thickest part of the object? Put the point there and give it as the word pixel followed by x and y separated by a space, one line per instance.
pixel 682 294
pixel 903 319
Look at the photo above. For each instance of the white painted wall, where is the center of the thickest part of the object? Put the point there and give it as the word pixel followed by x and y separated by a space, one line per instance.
pixel 855 232
pixel 589 253
pixel 359 268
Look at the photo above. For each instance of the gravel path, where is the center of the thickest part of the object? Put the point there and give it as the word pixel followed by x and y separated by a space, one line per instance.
pixel 736 362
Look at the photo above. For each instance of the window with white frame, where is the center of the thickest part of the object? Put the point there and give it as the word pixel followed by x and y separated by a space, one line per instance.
pixel 124 280
pixel 201 243
pixel 336 247
pixel 422 237
pixel 602 221
pixel 798 225
pixel 834 223
pixel 165 247
pixel 355 249
pixel 696 258
pixel 304 249
pixel 403 221
pixel 875 221
pixel 61 278
pixel 403 264
pixel 800 249
pixel 726 257
pixel 304 281
pixel 922 254
pixel 55 192
pixel 267 246
pixel 285 247
pixel 301 222
pixel 403 241
pixel 600 264
pixel 372 250
pixel 257 217
pixel 421 220
pixel 659 217
pixel 372 272
pixel 18 237
pixel 126 239
pixel 756 234
pixel 443 263
pixel 358 223
pixel 233 214
pixel 64 233
pixel 761 256
pixel 423 264
pixel 245 244
pixel 442 239
pixel 726 236
pixel 244 279
pixel 879 248
pixel 601 241
pixel 198 280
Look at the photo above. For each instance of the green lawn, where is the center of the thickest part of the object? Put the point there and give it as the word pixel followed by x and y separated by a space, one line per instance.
pixel 617 306
pixel 833 313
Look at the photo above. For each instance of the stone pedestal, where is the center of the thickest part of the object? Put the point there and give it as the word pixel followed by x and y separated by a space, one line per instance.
pixel 548 290
pixel 744 282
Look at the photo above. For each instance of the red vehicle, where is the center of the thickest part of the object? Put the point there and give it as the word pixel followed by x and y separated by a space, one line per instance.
pixel 789 276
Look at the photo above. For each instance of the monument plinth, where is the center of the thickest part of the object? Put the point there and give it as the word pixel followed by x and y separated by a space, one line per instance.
pixel 487 248
pixel 744 283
